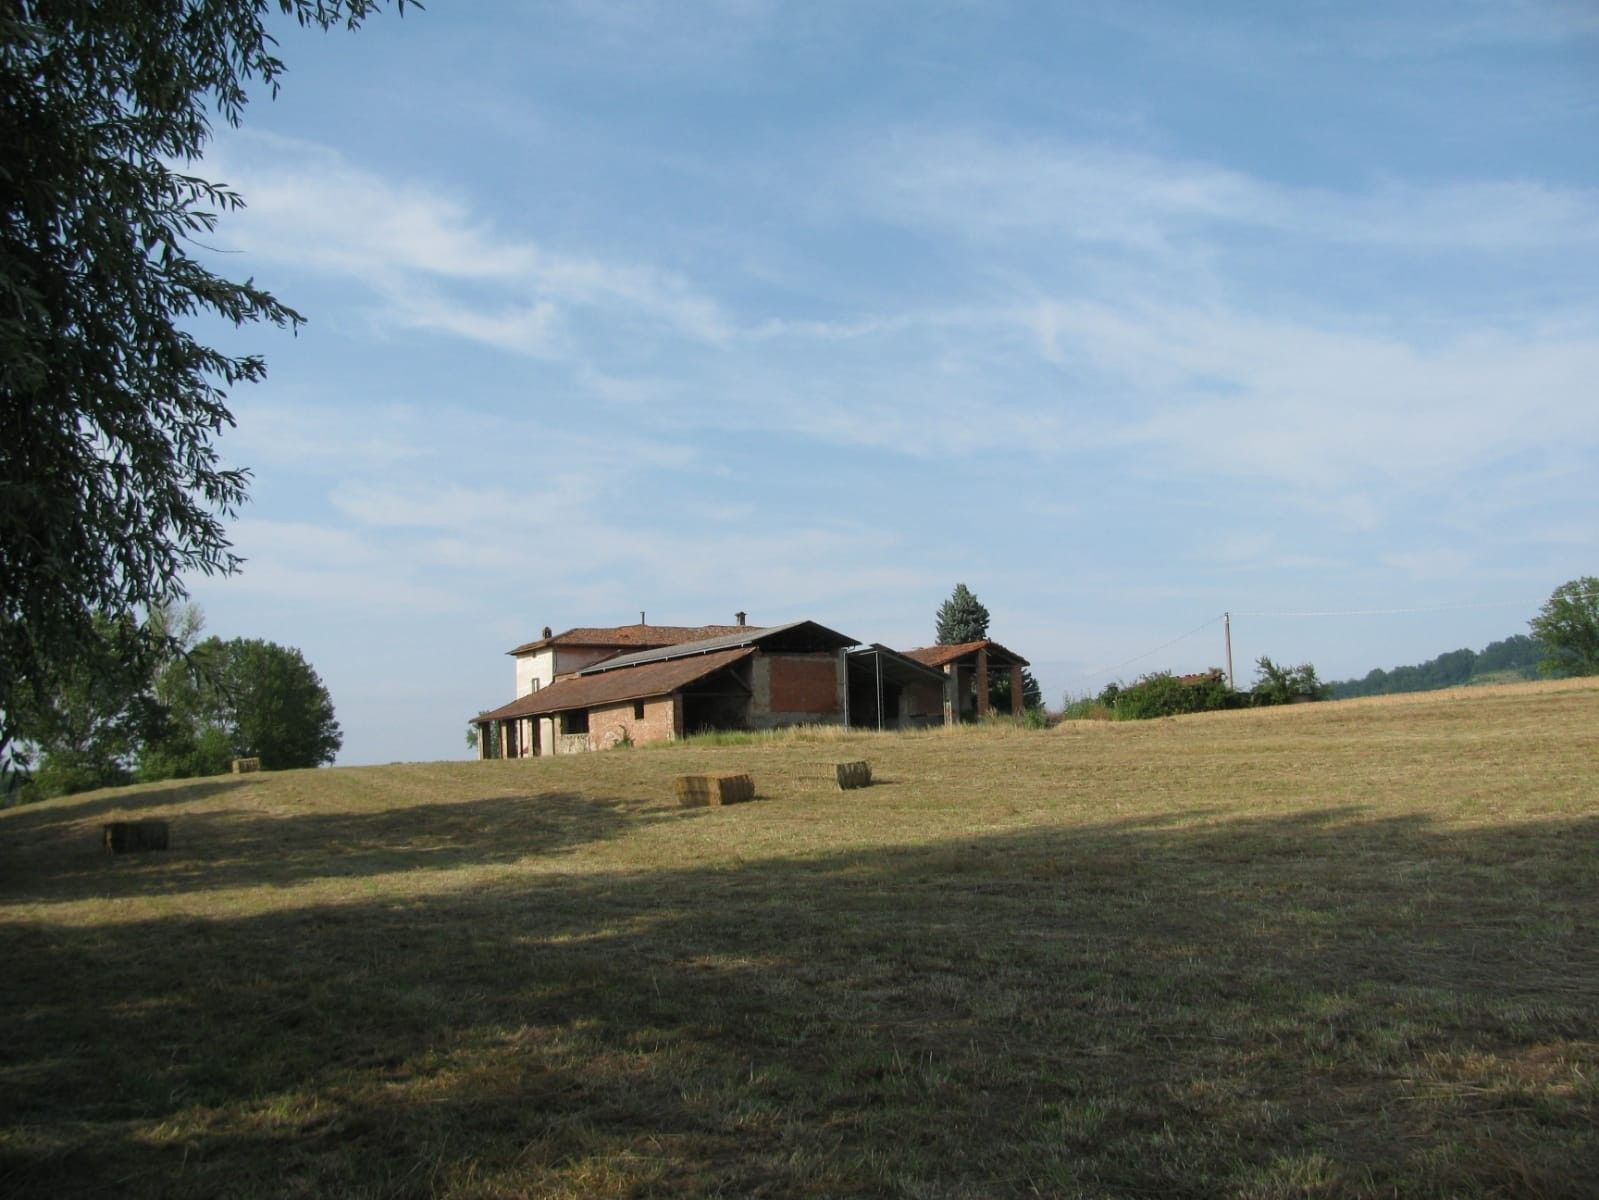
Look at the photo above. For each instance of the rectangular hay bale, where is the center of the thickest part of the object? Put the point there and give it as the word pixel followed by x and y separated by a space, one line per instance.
pixel 121 837
pixel 700 791
pixel 246 766
pixel 853 775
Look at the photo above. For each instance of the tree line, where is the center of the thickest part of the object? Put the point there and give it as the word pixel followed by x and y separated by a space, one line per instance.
pixel 1515 657
pixel 1564 641
pixel 152 701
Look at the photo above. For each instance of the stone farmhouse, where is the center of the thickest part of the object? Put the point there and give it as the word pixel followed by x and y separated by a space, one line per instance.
pixel 593 688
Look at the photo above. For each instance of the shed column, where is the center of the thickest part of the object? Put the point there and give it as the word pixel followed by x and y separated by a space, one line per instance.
pixel 505 749
pixel 1015 691
pixel 982 682
pixel 482 740
pixel 842 689
pixel 952 675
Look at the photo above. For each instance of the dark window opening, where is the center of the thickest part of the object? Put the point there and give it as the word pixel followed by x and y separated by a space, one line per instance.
pixel 638 710
pixel 576 721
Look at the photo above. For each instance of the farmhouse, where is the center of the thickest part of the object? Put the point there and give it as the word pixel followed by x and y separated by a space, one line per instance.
pixel 588 689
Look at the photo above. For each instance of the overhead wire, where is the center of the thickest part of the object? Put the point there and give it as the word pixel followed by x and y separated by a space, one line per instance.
pixel 1347 612
pixel 1157 649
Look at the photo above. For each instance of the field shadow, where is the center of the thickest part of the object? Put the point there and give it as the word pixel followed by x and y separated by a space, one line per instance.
pixel 62 859
pixel 1328 1004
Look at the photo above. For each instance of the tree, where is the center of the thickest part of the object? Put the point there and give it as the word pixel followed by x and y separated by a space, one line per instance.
pixel 961 618
pixel 244 698
pixel 84 725
pixel 999 692
pixel 1567 626
pixel 1286 685
pixel 111 488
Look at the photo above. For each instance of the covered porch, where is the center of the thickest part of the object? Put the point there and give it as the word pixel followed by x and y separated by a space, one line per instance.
pixel 968 670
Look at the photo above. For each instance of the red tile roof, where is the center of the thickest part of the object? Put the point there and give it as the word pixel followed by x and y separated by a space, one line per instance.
pixel 630 637
pixel 938 656
pixel 614 687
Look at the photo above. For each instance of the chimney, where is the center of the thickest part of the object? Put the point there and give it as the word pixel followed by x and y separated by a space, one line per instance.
pixel 739 617
pixel 641 616
pixel 548 632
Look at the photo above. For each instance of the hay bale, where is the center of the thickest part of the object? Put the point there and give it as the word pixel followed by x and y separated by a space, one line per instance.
pixel 853 775
pixel 245 766
pixel 701 791
pixel 121 837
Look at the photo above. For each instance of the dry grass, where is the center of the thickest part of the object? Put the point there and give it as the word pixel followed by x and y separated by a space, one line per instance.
pixel 1333 950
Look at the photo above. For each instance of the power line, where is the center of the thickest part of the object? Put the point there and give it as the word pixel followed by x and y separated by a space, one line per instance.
pixel 1386 612
pixel 1157 649
pixel 1345 612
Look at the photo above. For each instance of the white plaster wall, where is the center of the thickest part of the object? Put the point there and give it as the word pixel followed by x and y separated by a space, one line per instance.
pixel 534 671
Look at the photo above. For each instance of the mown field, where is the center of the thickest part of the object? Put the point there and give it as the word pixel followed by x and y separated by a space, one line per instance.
pixel 1336 950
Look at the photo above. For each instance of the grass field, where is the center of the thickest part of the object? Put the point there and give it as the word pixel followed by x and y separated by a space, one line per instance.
pixel 1334 950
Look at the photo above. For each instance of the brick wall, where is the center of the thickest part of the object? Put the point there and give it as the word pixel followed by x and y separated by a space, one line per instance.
pixel 607 724
pixel 797 688
pixel 922 704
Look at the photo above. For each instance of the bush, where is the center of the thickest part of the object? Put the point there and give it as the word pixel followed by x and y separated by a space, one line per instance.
pixel 1162 694
pixel 1086 708
pixel 1287 685
pixel 1035 718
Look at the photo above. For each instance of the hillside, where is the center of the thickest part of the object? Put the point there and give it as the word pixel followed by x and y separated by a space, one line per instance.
pixel 1514 658
pixel 1336 949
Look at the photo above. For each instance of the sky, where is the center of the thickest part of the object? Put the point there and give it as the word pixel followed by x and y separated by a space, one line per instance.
pixel 1125 315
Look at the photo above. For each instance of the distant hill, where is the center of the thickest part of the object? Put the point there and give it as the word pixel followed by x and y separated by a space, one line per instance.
pixel 1498 662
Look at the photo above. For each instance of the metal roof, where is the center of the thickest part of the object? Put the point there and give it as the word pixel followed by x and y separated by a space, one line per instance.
pixel 745 637
pixel 898 664
pixel 578 691
pixel 627 637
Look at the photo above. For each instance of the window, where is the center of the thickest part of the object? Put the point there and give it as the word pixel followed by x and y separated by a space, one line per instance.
pixel 575 721
pixel 638 710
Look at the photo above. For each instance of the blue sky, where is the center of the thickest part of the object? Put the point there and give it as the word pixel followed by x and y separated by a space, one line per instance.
pixel 1122 314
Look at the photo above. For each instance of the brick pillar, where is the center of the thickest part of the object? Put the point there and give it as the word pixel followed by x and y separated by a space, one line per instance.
pixel 1015 691
pixel 982 682
pixel 952 678
pixel 482 742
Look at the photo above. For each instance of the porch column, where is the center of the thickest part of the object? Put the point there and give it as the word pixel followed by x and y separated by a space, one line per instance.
pixel 482 741
pixel 1015 691
pixel 505 741
pixel 982 682
pixel 952 679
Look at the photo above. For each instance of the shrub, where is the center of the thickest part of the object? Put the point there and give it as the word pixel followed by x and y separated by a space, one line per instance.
pixel 1162 694
pixel 1287 685
pixel 1086 708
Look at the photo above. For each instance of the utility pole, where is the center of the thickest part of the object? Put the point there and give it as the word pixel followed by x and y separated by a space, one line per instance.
pixel 1227 632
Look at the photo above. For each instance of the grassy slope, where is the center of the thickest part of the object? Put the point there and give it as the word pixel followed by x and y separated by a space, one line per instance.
pixel 1342 949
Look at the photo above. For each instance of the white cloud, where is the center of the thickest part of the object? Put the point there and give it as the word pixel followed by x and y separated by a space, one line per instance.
pixel 1431 564
pixel 983 186
pixel 1235 393
pixel 429 260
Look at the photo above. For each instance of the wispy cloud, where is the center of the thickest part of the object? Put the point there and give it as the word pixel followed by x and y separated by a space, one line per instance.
pixel 429 261
pixel 978 184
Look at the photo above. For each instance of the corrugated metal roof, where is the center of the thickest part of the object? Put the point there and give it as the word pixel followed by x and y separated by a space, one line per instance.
pixel 899 663
pixel 588 691
pixel 628 637
pixel 744 637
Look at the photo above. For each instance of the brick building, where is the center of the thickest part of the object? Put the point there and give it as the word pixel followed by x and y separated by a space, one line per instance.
pixel 966 669
pixel 587 689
